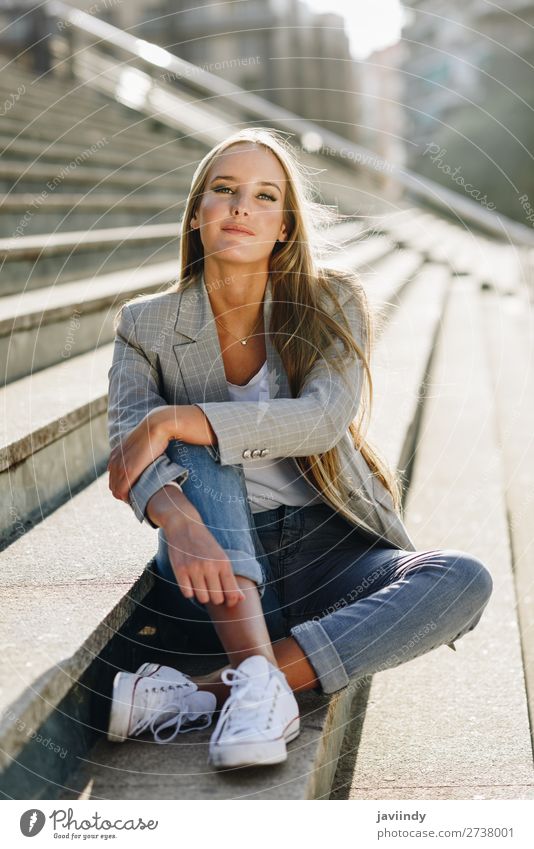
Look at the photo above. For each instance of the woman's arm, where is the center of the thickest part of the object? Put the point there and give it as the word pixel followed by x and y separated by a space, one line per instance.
pixel 133 394
pixel 187 423
pixel 312 423
pixel 149 440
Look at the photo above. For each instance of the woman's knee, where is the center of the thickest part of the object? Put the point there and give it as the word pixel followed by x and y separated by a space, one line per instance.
pixel 472 575
pixel 473 586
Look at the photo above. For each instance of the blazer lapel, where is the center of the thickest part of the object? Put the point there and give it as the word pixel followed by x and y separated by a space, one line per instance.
pixel 199 355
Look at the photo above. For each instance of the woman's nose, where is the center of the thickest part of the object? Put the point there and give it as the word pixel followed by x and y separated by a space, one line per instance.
pixel 239 205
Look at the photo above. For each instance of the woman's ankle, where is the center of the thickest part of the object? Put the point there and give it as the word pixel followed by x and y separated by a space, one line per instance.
pixel 264 651
pixel 212 683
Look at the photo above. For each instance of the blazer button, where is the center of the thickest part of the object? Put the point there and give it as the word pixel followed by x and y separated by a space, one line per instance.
pixel 264 452
pixel 255 453
pixel 246 454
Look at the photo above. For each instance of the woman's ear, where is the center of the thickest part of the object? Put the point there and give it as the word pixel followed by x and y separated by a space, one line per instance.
pixel 282 236
pixel 194 221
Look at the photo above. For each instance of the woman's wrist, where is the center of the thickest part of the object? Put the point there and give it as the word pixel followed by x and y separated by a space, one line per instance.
pixel 169 506
pixel 196 427
pixel 187 422
pixel 166 421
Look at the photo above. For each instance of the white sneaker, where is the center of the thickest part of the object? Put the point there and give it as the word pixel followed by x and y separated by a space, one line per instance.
pixel 258 718
pixel 157 697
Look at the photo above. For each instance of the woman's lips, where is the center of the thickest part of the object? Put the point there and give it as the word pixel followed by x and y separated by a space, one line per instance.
pixel 237 230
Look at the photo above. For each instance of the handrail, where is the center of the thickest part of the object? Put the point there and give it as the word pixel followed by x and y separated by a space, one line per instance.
pixel 259 108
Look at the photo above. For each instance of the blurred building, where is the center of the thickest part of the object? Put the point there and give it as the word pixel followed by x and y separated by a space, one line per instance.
pixel 124 14
pixel 468 93
pixel 382 113
pixel 279 49
pixel 25 24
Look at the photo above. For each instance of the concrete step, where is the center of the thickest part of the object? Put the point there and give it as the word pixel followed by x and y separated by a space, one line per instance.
pixel 508 325
pixel 53 439
pixel 395 224
pixel 32 262
pixel 409 224
pixel 43 327
pixel 153 158
pixel 65 112
pixel 454 725
pixel 68 586
pixel 352 192
pixel 45 177
pixel 69 105
pixel 83 136
pixel 497 265
pixel 72 98
pixel 344 234
pixel 72 102
pixel 381 282
pixel 29 214
pixel 15 75
pixel 179 771
pixel 362 253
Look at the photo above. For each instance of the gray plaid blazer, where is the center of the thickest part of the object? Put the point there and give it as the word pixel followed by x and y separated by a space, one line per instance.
pixel 167 351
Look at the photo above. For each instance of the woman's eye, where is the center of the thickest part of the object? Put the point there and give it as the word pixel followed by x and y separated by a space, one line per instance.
pixel 262 194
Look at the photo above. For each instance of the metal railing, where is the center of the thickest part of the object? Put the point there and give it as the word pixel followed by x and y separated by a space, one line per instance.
pixel 210 88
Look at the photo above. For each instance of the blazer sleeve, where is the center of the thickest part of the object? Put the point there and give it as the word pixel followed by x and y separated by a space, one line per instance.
pixel 133 392
pixel 312 423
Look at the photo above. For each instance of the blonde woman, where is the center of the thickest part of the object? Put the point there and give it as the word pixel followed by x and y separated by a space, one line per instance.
pixel 236 402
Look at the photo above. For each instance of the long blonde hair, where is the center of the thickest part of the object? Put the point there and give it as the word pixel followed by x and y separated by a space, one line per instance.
pixel 300 329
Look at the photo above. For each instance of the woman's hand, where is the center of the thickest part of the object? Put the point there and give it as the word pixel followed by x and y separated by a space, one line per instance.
pixel 201 567
pixel 138 450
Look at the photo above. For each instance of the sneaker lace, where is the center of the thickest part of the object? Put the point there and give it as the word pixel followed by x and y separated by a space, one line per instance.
pixel 158 702
pixel 245 705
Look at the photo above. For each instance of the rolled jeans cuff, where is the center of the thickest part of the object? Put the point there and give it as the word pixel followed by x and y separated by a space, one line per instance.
pixel 248 567
pixel 322 655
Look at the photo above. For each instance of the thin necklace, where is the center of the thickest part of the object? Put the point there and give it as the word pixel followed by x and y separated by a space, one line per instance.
pixel 245 339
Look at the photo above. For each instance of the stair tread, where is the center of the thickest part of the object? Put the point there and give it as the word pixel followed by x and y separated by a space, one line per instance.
pixel 38 408
pixel 43 243
pixel 454 717
pixel 125 175
pixel 23 310
pixel 63 580
pixel 157 200
pixel 59 151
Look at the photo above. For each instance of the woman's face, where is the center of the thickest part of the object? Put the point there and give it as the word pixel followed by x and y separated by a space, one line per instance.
pixel 245 187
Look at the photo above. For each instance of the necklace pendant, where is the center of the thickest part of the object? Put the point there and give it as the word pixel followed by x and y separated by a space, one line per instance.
pixel 243 341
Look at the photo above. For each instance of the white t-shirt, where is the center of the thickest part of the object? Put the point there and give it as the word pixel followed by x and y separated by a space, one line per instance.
pixel 271 483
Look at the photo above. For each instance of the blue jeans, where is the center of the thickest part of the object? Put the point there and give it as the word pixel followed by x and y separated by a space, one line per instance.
pixel 354 606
